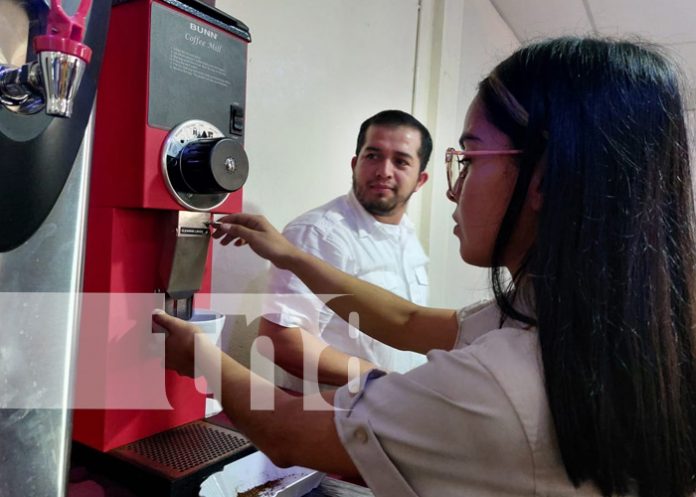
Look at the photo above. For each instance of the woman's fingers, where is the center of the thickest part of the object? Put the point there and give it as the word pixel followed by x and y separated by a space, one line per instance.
pixel 229 230
pixel 242 230
pixel 174 326
pixel 179 344
pixel 255 231
pixel 252 221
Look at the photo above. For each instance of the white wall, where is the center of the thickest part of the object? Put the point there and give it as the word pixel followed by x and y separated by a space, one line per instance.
pixel 14 31
pixel 317 69
pixel 469 38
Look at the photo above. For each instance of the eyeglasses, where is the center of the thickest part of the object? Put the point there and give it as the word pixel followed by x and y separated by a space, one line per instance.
pixel 456 173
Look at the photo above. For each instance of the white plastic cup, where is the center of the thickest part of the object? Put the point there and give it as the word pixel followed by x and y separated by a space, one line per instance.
pixel 210 322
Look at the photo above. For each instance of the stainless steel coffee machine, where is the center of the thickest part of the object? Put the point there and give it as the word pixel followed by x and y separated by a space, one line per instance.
pixel 50 58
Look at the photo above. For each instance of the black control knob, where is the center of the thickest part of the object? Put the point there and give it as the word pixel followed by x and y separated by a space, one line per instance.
pixel 213 165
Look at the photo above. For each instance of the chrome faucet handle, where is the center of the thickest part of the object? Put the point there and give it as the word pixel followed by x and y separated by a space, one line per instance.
pixel 52 81
pixel 63 57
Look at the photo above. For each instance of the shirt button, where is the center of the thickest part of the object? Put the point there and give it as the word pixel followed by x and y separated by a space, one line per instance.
pixel 360 435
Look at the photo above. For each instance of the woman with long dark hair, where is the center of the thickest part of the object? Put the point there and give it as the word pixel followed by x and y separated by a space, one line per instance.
pixel 580 377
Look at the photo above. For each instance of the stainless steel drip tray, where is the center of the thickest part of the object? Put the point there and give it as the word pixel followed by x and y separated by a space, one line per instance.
pixel 185 450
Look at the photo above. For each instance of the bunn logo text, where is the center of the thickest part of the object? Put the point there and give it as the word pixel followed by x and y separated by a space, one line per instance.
pixel 204 31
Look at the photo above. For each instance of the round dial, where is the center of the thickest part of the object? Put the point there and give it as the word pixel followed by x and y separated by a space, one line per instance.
pixel 202 166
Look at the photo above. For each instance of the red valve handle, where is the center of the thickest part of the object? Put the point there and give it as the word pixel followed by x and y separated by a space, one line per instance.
pixel 65 33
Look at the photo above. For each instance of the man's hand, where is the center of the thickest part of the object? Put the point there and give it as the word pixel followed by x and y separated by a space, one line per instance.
pixel 180 342
pixel 259 234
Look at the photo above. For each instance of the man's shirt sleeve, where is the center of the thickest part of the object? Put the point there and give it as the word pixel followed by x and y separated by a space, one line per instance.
pixel 290 303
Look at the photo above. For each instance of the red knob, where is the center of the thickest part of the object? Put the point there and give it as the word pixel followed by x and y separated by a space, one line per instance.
pixel 65 33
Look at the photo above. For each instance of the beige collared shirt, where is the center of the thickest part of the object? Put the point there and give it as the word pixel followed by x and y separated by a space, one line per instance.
pixel 473 421
pixel 346 236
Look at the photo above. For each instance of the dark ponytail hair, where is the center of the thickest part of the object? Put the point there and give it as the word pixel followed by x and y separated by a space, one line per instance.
pixel 613 268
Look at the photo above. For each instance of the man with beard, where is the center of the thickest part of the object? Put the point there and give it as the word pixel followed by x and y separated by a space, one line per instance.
pixel 364 233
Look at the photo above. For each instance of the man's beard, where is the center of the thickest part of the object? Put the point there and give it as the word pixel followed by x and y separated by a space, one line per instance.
pixel 383 206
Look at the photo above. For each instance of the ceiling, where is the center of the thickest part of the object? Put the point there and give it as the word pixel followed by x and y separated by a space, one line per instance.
pixel 671 23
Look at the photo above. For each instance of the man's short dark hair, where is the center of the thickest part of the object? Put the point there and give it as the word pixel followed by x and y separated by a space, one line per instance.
pixel 395 118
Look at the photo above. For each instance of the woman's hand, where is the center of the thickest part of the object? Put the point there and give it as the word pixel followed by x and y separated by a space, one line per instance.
pixel 259 234
pixel 180 342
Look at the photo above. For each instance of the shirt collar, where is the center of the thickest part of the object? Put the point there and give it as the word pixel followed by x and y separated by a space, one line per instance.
pixel 368 225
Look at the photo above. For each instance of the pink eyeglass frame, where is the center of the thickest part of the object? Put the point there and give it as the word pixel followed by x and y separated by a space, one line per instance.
pixel 452 187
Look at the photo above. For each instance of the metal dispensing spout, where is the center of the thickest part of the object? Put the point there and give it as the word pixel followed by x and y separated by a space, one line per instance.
pixel 184 254
pixel 52 80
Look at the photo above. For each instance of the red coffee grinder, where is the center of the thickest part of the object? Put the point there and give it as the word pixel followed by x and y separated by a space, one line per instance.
pixel 168 152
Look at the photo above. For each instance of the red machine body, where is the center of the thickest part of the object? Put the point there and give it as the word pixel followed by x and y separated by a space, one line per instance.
pixel 129 197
